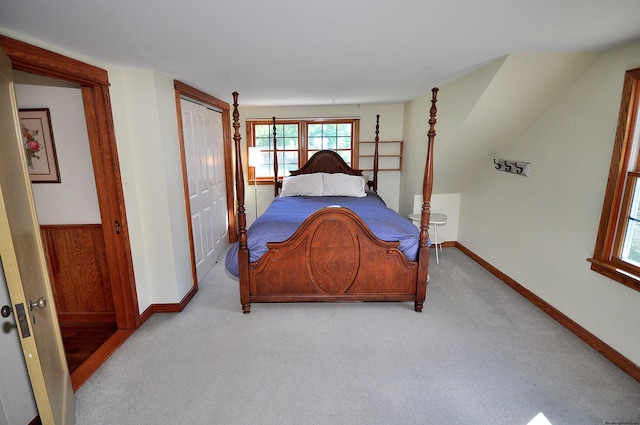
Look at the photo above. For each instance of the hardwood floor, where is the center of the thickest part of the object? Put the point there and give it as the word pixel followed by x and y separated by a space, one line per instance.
pixel 80 342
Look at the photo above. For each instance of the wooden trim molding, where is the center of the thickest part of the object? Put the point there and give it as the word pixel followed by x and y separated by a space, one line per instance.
pixel 183 90
pixel 104 154
pixel 80 375
pixel 104 157
pixel 94 83
pixel 618 274
pixel 86 319
pixel 169 308
pixel 606 253
pixel 185 186
pixel 597 344
pixel 195 94
pixel 29 58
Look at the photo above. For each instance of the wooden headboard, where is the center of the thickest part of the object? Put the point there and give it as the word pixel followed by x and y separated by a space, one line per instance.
pixel 326 161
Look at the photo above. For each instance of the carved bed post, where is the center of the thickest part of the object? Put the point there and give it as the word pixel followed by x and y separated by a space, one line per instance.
pixel 275 160
pixel 427 187
pixel 375 155
pixel 243 251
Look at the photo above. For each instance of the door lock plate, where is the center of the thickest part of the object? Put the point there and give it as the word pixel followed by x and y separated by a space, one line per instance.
pixel 21 314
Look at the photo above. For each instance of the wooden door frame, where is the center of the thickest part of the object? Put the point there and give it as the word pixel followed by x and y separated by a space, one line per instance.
pixel 182 90
pixel 94 84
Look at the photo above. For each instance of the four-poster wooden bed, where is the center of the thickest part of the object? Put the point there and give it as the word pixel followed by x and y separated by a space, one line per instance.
pixel 334 255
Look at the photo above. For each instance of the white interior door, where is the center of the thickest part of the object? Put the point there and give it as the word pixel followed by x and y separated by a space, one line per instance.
pixel 25 269
pixel 17 405
pixel 204 152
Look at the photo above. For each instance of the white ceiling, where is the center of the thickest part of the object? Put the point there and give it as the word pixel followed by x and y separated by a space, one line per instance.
pixel 295 52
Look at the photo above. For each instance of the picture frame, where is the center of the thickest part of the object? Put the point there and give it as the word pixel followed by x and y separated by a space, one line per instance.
pixel 39 147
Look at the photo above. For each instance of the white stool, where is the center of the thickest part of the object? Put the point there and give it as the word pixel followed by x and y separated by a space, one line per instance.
pixel 435 220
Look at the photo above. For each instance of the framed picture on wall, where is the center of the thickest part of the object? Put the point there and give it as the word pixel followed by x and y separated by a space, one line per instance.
pixel 39 148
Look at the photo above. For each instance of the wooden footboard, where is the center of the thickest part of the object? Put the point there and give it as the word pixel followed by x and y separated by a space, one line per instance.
pixel 333 256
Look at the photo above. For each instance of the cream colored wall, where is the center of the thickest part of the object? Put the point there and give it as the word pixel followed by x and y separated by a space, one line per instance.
pixel 452 111
pixel 147 138
pixel 391 119
pixel 540 229
pixel 74 200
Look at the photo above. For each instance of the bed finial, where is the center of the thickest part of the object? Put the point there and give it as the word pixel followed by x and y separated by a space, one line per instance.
pixel 432 112
pixel 275 160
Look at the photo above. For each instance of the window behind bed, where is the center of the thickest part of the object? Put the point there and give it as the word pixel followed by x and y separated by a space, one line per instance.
pixel 298 140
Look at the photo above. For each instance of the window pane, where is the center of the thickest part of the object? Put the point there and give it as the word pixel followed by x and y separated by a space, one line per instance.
pixel 290 162
pixel 329 130
pixel 262 136
pixel 280 136
pixel 291 143
pixel 288 146
pixel 262 131
pixel 329 143
pixel 315 143
pixel 344 142
pixel 291 130
pixel 314 130
pixel 631 245
pixel 346 155
pixel 286 136
pixel 344 129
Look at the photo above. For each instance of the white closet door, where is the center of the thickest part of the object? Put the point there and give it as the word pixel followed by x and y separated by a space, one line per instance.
pixel 204 152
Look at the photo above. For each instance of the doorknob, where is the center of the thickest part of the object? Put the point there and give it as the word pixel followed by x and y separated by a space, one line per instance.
pixel 6 311
pixel 41 303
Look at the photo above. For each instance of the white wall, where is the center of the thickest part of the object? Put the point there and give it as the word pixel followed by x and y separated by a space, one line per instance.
pixel 416 126
pixel 74 200
pixel 540 229
pixel 391 119
pixel 146 129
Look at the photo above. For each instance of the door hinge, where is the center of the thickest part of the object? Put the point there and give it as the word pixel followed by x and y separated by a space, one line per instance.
pixel 117 227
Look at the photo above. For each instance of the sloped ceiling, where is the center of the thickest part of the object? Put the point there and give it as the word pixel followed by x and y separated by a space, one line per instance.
pixel 491 107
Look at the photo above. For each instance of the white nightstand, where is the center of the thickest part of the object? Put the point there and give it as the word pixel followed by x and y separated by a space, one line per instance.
pixel 435 220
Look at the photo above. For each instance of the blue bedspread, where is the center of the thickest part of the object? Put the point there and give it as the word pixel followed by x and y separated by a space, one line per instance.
pixel 285 215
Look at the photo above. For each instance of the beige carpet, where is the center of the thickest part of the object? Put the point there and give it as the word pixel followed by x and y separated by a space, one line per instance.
pixel 478 354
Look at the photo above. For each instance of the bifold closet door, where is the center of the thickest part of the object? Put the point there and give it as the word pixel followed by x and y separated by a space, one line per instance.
pixel 204 154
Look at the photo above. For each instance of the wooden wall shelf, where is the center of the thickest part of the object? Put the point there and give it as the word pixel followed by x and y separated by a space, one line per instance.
pixel 390 155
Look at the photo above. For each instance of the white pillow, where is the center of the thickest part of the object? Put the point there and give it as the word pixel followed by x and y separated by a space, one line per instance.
pixel 338 184
pixel 302 185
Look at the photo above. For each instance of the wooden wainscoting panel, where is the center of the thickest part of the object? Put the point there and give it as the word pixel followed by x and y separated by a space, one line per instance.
pixel 79 272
